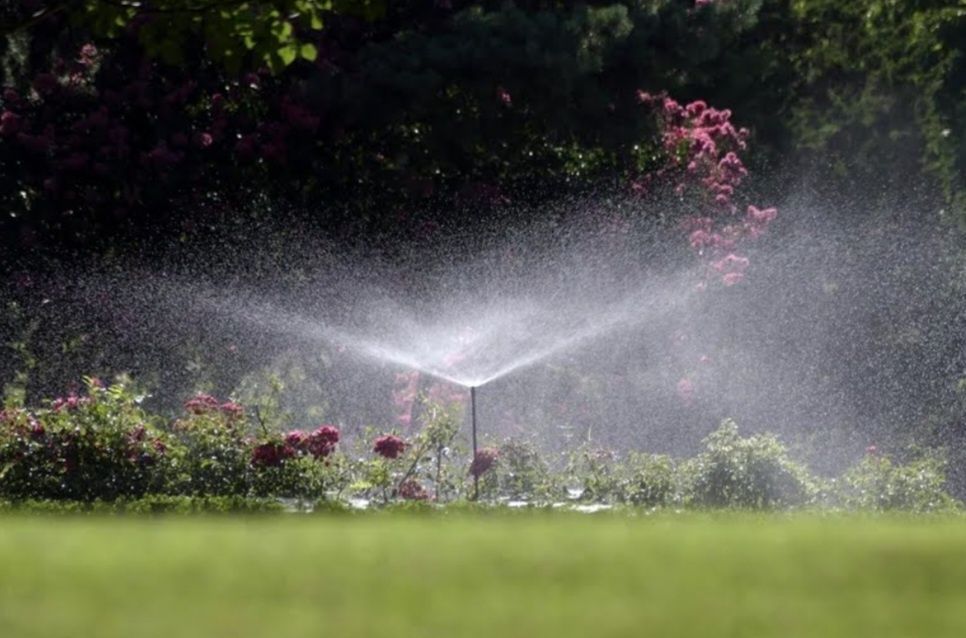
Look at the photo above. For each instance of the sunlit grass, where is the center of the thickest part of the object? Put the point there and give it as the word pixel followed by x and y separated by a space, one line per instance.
pixel 482 575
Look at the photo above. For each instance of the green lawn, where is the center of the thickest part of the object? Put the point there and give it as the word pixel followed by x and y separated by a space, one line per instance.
pixel 498 576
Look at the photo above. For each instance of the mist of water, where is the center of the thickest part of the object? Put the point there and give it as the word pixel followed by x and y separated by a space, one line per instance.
pixel 579 328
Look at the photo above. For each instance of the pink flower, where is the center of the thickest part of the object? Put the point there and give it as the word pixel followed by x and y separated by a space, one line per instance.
pixel 504 96
pixel 202 404
pixel 232 410
pixel 732 278
pixel 71 402
pixel 295 438
pixel 447 393
pixel 484 460
pixel 685 389
pixel 731 263
pixel 696 108
pixel 322 441
pixel 9 123
pixel 699 238
pixel 88 54
pixel 412 490
pixel 872 450
pixel 204 140
pixel 271 454
pixel 37 430
pixel 762 216
pixel 389 446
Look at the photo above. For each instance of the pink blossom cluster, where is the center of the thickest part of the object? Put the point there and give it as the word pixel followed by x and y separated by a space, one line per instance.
pixel 413 490
pixel 702 147
pixel 320 443
pixel 483 461
pixel 142 450
pixel 207 404
pixel 69 403
pixel 389 446
pixel 271 454
pixel 406 391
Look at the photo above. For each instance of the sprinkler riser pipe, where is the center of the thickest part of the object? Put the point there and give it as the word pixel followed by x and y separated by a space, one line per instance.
pixel 476 479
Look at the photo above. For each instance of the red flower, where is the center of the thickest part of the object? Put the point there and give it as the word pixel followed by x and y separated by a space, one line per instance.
pixel 321 442
pixel 483 462
pixel 296 438
pixel 9 123
pixel 389 446
pixel 504 96
pixel 412 490
pixel 202 404
pixel 232 410
pixel 71 402
pixel 271 454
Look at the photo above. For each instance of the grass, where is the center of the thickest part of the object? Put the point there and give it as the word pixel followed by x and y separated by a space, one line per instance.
pixel 482 575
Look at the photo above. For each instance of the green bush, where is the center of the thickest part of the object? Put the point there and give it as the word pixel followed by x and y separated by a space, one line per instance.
pixel 98 446
pixel 649 480
pixel 597 473
pixel 753 472
pixel 150 504
pixel 214 456
pixel 877 483
pixel 521 473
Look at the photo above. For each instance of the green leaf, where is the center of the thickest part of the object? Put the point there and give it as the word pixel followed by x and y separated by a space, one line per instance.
pixel 288 53
pixel 309 52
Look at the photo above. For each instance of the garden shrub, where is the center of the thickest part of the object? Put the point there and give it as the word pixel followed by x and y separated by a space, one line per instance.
pixel 294 466
pixel 521 473
pixel 753 472
pixel 878 483
pixel 596 473
pixel 649 479
pixel 149 504
pixel 216 452
pixel 98 446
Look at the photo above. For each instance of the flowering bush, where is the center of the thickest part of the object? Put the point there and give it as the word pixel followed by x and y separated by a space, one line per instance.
pixel 97 446
pixel 295 465
pixel 484 461
pixel 221 456
pixel 389 446
pixel 701 147
pixel 216 450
